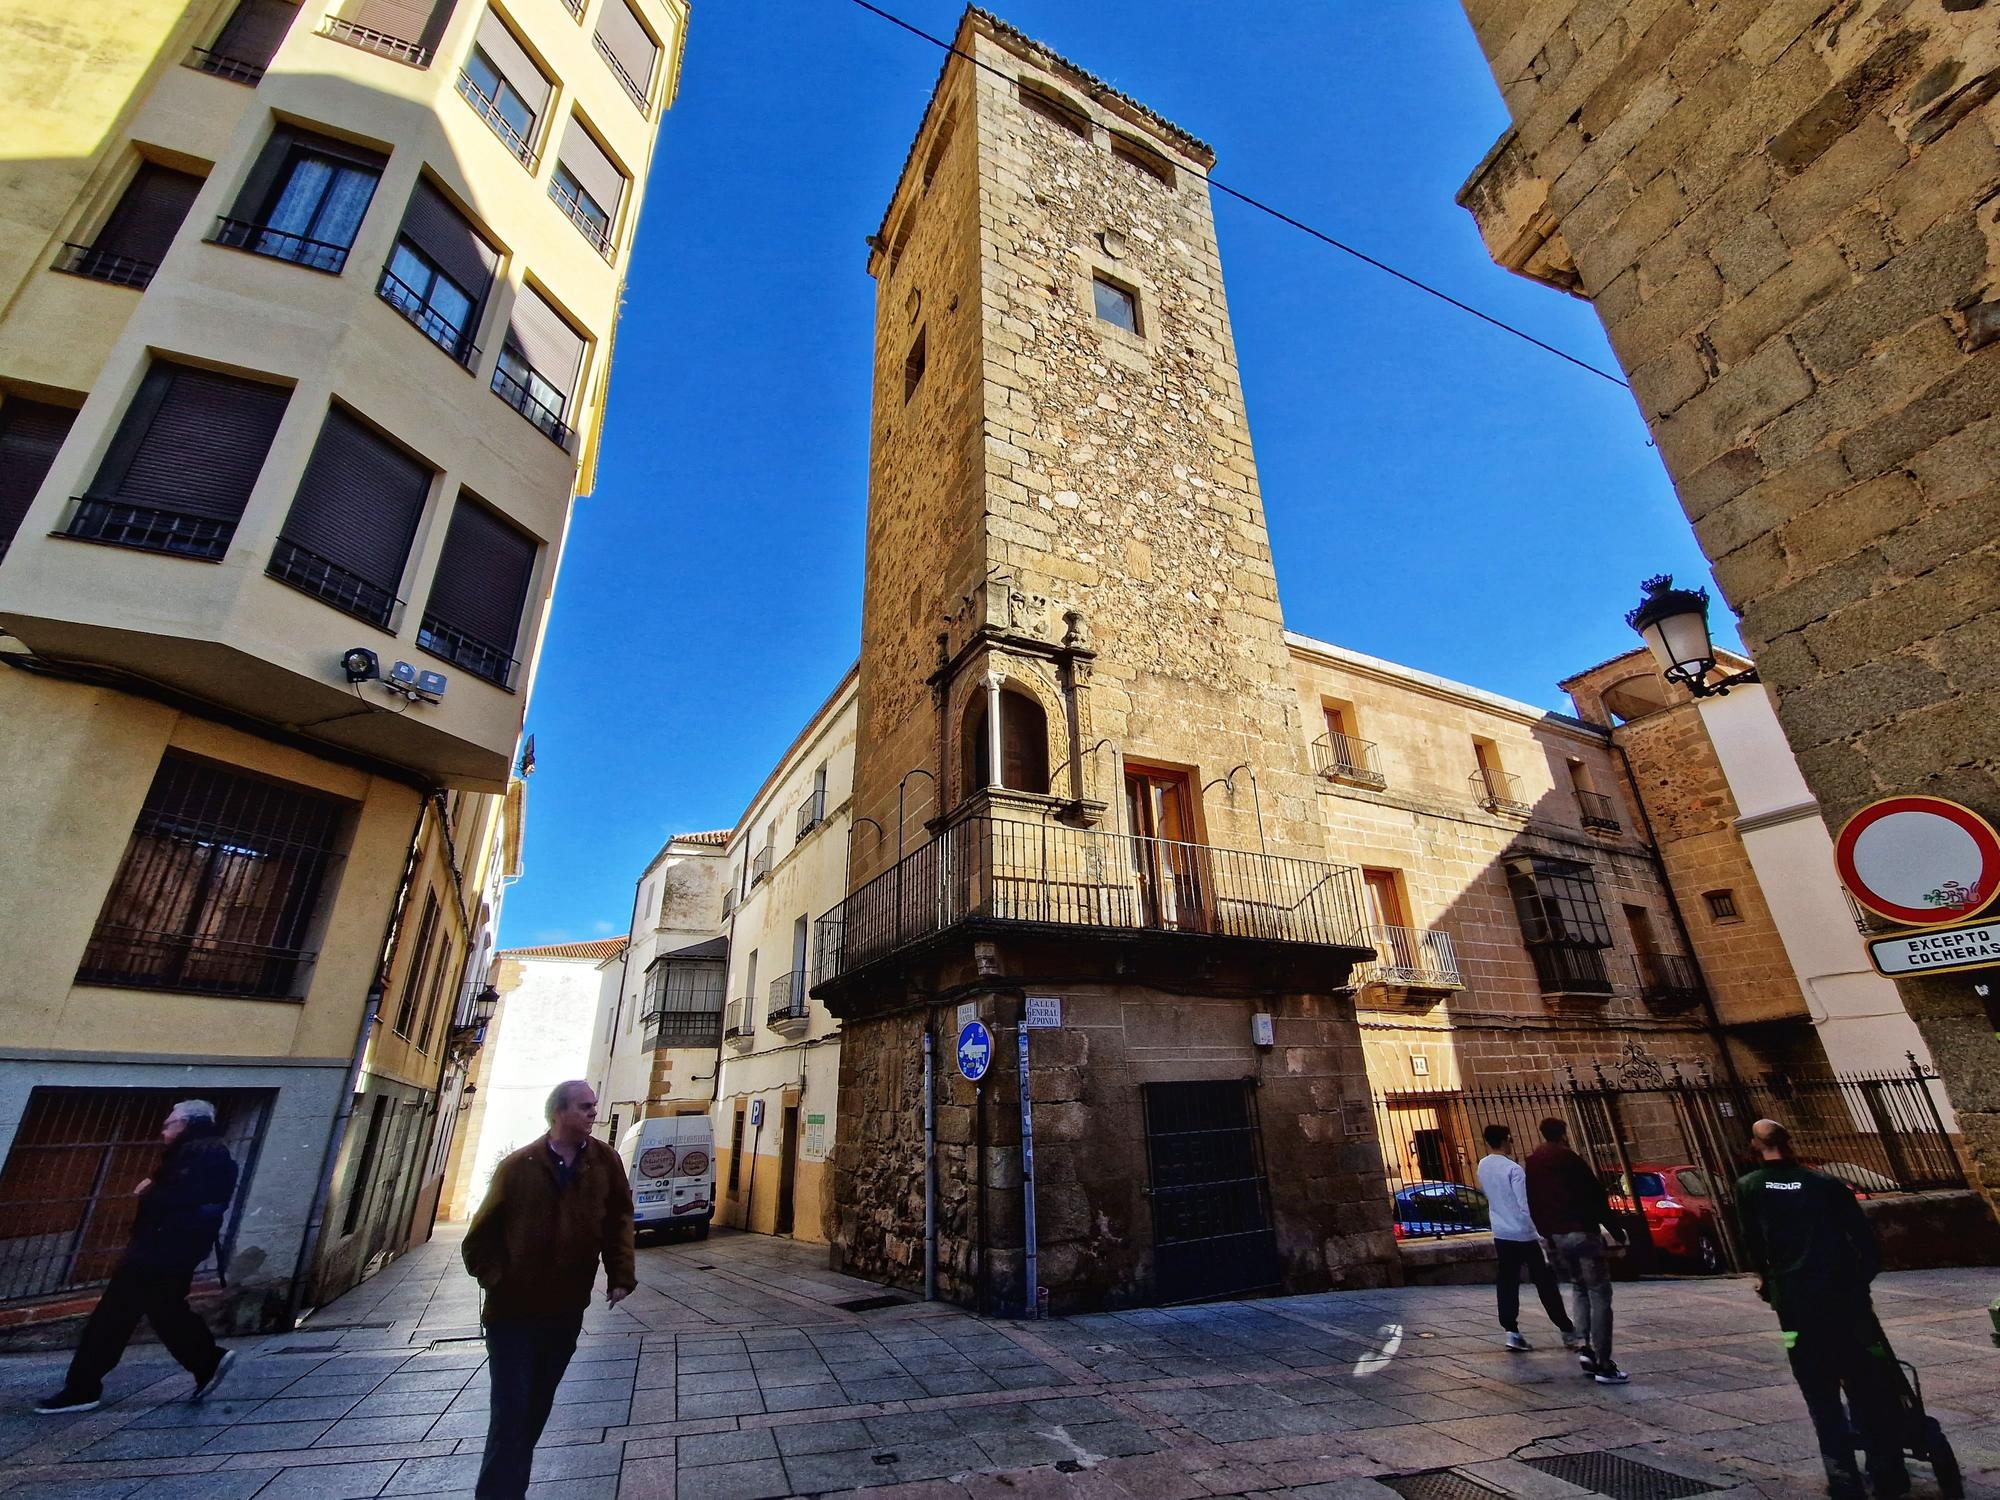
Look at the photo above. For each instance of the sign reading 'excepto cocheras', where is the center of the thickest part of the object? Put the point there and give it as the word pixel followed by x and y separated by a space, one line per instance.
pixel 1943 950
pixel 1923 861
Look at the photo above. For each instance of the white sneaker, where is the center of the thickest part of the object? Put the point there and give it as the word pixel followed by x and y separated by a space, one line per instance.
pixel 1518 1344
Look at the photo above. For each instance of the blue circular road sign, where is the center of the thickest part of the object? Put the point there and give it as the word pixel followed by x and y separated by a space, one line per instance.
pixel 975 1051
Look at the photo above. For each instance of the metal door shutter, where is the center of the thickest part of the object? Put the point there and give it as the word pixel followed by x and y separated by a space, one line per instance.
pixel 447 237
pixel 31 433
pixel 482 579
pixel 196 445
pixel 359 501
pixel 546 341
pixel 506 54
pixel 589 165
pixel 629 42
pixel 148 216
pixel 255 30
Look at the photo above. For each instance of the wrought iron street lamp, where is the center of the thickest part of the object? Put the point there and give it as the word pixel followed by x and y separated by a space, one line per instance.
pixel 1674 625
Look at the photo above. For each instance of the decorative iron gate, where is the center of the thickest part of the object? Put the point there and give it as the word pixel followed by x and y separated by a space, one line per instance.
pixel 1212 1229
pixel 67 1191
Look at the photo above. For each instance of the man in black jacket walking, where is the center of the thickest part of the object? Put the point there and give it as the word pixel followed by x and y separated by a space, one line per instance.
pixel 1814 1254
pixel 181 1210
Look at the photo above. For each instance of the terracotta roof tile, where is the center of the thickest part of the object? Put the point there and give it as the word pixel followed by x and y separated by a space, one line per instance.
pixel 596 951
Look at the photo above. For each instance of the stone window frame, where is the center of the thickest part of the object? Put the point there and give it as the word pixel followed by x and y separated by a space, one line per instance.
pixel 1133 350
pixel 1723 909
pixel 1057 107
pixel 1144 158
pixel 915 362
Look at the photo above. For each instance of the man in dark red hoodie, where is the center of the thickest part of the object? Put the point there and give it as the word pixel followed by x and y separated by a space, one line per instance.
pixel 1568 1205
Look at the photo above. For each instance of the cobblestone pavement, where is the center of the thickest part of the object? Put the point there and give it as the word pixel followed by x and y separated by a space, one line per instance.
pixel 735 1373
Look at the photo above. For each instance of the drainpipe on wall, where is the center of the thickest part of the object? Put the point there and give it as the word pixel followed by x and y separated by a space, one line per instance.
pixel 930 1163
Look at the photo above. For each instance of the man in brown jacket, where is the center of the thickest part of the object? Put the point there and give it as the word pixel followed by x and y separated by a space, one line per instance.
pixel 554 1209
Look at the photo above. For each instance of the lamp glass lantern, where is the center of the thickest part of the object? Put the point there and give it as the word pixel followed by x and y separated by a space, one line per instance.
pixel 1674 625
pixel 484 1004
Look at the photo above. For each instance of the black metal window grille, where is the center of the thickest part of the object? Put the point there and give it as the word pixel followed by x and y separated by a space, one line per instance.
pixel 67 1190
pixel 207 60
pixel 327 580
pixel 434 304
pixel 811 812
pixel 280 244
pixel 106 265
pixel 582 210
pixel 736 1148
pixel 1213 1235
pixel 1562 922
pixel 421 952
pixel 150 527
pixel 516 382
pixel 1721 905
pixel 683 999
pixel 1669 981
pixel 220 886
pixel 481 658
pixel 1598 810
pixel 244 47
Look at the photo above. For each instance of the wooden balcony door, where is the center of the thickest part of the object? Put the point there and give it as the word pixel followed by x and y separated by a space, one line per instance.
pixel 1174 883
pixel 1394 944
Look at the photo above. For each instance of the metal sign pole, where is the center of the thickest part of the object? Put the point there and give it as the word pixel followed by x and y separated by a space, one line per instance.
pixel 1033 1288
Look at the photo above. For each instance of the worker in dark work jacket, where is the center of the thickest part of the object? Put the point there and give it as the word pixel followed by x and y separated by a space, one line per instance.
pixel 1814 1254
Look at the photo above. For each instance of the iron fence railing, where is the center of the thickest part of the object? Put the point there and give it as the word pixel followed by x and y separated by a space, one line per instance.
pixel 787 999
pixel 1669 981
pixel 106 265
pixel 586 222
pixel 760 865
pixel 235 69
pixel 619 72
pixel 516 394
pixel 489 110
pixel 1340 757
pixel 811 811
pixel 326 580
pixel 1598 811
pixel 1498 792
pixel 481 658
pixel 371 40
pixel 150 527
pixel 1410 957
pixel 280 244
pixel 1050 874
pixel 426 319
pixel 1570 968
pixel 739 1022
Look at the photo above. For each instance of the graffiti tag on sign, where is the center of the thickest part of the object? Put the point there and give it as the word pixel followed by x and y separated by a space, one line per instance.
pixel 694 1164
pixel 656 1161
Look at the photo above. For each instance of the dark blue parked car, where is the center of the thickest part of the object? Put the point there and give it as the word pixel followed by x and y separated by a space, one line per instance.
pixel 1439 1208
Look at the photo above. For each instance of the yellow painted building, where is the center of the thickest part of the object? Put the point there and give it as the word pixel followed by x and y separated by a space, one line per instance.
pixel 306 313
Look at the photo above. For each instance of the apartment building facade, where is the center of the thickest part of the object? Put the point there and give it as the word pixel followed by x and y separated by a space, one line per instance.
pixel 305 322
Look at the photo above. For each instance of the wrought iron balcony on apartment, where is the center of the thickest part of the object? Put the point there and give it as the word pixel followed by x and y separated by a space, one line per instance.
pixel 1669 982
pixel 618 71
pixel 682 1028
pixel 106 265
pixel 489 110
pixel 368 39
pixel 426 319
pixel 760 865
pixel 1410 959
pixel 739 1023
pixel 1599 811
pixel 1568 968
pixel 1498 792
pixel 1050 875
pixel 516 394
pixel 280 244
pixel 329 582
pixel 1342 758
pixel 811 812
pixel 787 1011
pixel 222 65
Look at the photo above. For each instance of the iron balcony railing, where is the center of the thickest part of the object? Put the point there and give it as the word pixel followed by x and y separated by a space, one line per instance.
pixel 1669 981
pixel 106 265
pixel 517 395
pixel 1599 811
pixel 739 1022
pixel 279 244
pixel 150 527
pixel 1498 792
pixel 618 71
pixel 598 234
pixel 433 324
pixel 760 866
pixel 729 901
pixel 481 658
pixel 1052 875
pixel 1339 757
pixel 489 110
pixel 235 69
pixel 370 40
pixel 326 580
pixel 1570 968
pixel 811 811
pixel 788 999
pixel 1408 958
pixel 574 7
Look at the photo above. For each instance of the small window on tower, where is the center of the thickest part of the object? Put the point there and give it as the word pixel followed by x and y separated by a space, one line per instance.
pixel 913 367
pixel 1115 304
pixel 1722 906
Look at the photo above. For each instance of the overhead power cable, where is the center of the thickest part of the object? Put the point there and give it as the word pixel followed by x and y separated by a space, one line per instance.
pixel 1217 185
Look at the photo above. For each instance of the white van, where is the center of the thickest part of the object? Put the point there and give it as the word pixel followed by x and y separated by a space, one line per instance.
pixel 671 1161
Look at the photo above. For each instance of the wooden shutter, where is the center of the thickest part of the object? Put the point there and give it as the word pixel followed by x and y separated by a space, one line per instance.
pixel 149 214
pixel 448 238
pixel 192 441
pixel 506 54
pixel 481 585
pixel 546 341
pixel 589 165
pixel 255 30
pixel 1024 744
pixel 418 22
pixel 31 433
pixel 628 41
pixel 359 501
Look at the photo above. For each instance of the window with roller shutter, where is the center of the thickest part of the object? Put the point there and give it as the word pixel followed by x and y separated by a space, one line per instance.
pixel 628 49
pixel 346 539
pixel 31 434
pixel 182 464
pixel 540 365
pixel 407 30
pixel 248 41
pixel 473 614
pixel 439 273
pixel 136 234
pixel 588 186
pixel 505 88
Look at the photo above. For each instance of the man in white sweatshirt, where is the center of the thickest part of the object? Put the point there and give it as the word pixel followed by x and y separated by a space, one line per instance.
pixel 1515 1243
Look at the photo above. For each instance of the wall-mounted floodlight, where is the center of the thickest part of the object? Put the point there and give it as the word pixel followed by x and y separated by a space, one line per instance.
pixel 360 664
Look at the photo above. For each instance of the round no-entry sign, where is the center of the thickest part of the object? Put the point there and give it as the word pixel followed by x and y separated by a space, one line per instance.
pixel 1920 860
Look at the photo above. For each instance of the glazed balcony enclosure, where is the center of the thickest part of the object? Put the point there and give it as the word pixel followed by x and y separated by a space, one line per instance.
pixel 989 872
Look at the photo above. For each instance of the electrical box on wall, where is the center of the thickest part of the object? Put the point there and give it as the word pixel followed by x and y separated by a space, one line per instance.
pixel 1260 1029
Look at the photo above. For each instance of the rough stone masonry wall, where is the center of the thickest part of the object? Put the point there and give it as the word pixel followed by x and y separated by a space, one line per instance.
pixel 1784 211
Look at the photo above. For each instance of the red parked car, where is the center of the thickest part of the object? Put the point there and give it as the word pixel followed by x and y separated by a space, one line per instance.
pixel 1679 1205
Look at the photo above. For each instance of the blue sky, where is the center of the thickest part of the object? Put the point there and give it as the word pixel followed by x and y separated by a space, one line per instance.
pixel 1438 493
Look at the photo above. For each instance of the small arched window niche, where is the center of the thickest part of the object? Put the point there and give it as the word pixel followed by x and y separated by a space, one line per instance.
pixel 1024 745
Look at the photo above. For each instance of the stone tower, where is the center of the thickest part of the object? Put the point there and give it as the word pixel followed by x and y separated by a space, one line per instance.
pixel 1080 750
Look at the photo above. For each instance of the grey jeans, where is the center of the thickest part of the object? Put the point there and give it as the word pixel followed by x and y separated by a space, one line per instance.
pixel 1579 1260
